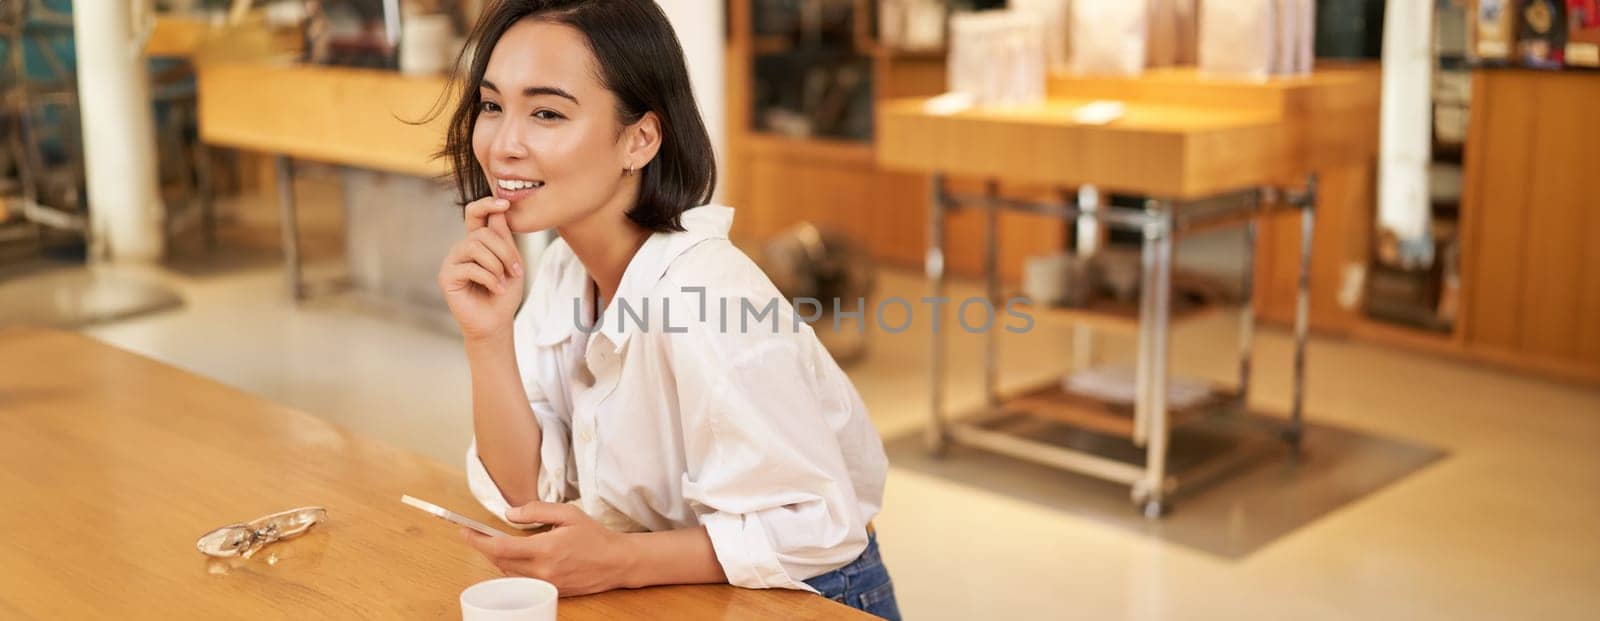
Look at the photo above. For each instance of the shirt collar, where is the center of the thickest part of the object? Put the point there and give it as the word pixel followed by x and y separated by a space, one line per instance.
pixel 646 268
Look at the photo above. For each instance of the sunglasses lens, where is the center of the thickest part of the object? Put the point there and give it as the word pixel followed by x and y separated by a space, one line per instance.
pixel 224 542
pixel 290 523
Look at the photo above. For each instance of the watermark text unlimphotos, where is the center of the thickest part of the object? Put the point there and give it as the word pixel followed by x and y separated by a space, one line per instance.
pixel 743 315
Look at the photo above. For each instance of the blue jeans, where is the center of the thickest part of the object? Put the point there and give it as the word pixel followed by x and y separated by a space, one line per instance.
pixel 864 584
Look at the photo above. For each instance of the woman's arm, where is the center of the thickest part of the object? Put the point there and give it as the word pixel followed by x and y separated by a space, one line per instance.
pixel 503 422
pixel 682 556
pixel 482 279
pixel 579 556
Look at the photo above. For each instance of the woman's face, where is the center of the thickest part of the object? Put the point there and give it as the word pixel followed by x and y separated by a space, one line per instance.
pixel 547 134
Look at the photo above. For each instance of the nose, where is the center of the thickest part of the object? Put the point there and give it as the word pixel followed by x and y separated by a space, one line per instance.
pixel 508 143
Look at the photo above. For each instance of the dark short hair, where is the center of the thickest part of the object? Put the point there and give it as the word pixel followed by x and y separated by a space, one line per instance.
pixel 639 59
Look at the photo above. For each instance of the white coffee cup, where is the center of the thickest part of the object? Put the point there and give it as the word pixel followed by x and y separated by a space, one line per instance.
pixel 509 599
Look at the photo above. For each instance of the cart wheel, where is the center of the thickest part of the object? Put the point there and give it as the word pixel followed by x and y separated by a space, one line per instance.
pixel 1295 442
pixel 1140 493
pixel 1154 509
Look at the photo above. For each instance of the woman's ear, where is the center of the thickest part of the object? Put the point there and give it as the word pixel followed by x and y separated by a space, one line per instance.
pixel 641 142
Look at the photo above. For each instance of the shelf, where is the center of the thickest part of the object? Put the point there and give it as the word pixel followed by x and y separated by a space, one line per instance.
pixel 833 150
pixel 1192 298
pixel 770 44
pixel 766 45
pixel 1413 338
pixel 1452 152
pixel 1115 315
pixel 894 53
pixel 1054 403
pixel 1513 65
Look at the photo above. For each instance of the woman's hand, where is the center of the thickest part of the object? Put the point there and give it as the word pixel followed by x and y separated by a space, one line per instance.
pixel 482 275
pixel 577 555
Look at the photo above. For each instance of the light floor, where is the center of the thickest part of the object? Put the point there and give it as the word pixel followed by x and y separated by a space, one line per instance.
pixel 1505 527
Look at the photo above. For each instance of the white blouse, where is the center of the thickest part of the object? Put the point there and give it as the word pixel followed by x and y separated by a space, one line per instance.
pixel 675 413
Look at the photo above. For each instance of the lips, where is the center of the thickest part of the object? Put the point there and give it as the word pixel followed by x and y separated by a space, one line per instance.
pixel 515 189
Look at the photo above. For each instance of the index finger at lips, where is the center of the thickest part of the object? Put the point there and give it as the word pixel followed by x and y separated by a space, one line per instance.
pixel 498 223
pixel 477 212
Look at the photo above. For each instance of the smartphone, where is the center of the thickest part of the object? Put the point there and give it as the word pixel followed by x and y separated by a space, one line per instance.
pixel 451 516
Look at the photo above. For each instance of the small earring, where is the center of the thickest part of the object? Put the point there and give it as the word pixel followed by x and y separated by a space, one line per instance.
pixel 630 169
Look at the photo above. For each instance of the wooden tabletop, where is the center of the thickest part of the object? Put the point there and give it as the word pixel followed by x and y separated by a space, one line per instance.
pixel 1329 116
pixel 338 115
pixel 1156 149
pixel 200 39
pixel 1184 134
pixel 177 36
pixel 112 465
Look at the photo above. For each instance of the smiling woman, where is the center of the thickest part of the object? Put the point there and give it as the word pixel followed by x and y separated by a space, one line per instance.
pixel 680 452
pixel 527 86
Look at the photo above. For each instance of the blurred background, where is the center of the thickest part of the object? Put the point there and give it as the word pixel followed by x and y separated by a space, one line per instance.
pixel 232 187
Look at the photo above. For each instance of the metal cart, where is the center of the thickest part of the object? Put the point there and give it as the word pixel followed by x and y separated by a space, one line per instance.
pixel 1161 222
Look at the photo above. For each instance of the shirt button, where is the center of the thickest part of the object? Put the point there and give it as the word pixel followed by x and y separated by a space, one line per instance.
pixel 584 437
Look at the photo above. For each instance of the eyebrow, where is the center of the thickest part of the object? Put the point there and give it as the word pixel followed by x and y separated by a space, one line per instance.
pixel 534 91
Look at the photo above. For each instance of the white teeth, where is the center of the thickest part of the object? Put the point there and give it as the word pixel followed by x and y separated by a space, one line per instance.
pixel 518 185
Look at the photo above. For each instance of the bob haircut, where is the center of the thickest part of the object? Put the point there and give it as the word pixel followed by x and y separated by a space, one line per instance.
pixel 640 61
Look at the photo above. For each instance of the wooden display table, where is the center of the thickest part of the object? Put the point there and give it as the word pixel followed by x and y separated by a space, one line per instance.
pixel 1200 166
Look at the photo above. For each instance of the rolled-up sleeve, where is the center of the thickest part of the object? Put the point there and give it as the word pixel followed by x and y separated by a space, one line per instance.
pixel 765 471
pixel 557 471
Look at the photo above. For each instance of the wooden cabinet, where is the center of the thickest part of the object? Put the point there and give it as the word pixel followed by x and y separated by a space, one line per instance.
pixel 776 181
pixel 1531 222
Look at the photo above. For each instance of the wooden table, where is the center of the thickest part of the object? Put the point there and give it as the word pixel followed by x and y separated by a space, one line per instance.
pixel 363 118
pixel 112 465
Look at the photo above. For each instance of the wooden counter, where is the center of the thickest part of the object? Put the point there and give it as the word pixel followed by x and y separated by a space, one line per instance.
pixel 112 465
pixel 337 115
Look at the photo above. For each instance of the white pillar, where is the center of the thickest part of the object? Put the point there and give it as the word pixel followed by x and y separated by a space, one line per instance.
pixel 125 211
pixel 1405 132
pixel 699 24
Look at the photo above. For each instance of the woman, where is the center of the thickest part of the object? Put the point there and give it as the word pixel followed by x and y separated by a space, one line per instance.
pixel 677 446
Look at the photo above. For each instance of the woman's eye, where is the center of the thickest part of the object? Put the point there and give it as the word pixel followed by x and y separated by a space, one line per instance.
pixel 547 115
pixel 488 106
